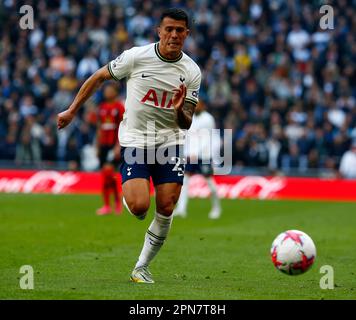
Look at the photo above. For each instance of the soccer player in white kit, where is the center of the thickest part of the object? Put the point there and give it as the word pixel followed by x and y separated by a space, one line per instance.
pixel 200 150
pixel 162 92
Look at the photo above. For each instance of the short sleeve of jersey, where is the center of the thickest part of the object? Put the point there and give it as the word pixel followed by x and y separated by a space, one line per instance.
pixel 193 88
pixel 122 66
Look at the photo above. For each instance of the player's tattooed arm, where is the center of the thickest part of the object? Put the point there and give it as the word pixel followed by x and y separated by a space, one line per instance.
pixel 183 110
pixel 185 116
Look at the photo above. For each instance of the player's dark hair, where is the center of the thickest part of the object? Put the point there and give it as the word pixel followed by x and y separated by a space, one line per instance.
pixel 176 14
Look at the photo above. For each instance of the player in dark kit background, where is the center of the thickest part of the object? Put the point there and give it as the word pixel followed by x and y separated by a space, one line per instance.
pixel 110 115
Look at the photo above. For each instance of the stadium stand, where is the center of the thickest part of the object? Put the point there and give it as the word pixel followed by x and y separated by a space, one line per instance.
pixel 283 85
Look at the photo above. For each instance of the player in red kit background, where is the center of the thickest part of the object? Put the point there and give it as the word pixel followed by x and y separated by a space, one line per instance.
pixel 110 114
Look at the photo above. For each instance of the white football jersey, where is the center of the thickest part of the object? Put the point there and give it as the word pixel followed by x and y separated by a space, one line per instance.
pixel 148 120
pixel 202 142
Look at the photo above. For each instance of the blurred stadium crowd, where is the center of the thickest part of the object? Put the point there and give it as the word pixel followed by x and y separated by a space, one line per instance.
pixel 270 73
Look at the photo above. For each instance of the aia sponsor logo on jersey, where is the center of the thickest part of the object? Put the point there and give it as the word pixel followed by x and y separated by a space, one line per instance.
pixel 158 101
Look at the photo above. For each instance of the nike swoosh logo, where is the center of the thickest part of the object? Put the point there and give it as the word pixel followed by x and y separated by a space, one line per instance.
pixel 146 75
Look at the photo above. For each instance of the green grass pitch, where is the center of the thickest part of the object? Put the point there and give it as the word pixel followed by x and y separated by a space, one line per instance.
pixel 78 255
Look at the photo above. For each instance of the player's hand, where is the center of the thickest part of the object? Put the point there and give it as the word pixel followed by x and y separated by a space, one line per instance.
pixel 179 96
pixel 64 118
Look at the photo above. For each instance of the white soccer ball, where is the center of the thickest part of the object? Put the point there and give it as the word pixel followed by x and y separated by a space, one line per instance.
pixel 293 252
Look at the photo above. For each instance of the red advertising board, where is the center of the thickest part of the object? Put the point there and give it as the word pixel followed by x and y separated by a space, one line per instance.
pixel 231 187
pixel 26 181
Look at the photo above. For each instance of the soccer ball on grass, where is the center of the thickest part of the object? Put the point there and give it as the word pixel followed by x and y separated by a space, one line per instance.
pixel 293 252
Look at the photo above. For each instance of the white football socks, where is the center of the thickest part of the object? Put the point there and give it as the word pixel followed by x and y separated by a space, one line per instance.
pixel 215 201
pixel 154 238
pixel 181 208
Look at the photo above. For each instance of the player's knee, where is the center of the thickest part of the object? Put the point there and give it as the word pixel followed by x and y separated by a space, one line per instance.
pixel 108 176
pixel 166 208
pixel 138 207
